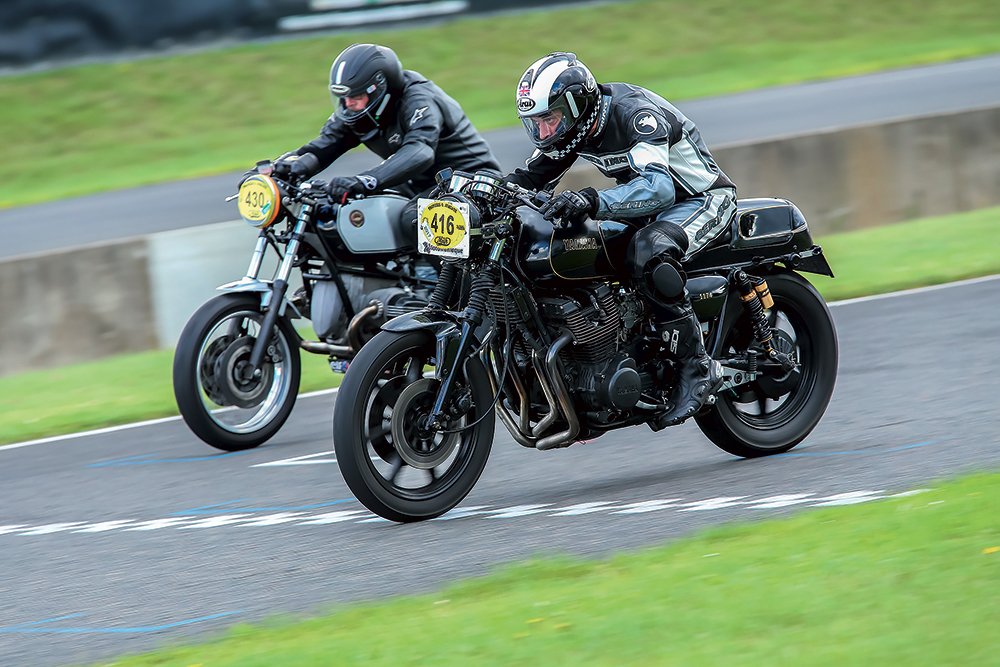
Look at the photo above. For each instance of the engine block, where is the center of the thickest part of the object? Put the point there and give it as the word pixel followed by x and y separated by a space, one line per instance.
pixel 592 316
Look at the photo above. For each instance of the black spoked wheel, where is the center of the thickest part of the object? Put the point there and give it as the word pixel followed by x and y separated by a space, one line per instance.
pixel 776 412
pixel 220 400
pixel 395 466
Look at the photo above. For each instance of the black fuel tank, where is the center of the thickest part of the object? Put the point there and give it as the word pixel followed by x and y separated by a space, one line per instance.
pixel 588 250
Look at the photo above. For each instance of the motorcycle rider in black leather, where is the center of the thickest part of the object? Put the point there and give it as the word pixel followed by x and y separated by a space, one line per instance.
pixel 400 116
pixel 668 185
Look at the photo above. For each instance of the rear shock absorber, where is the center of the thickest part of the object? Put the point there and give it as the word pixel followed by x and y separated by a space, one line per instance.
pixel 751 295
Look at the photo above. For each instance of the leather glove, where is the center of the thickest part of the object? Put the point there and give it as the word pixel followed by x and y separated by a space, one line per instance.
pixel 569 206
pixel 246 174
pixel 341 187
pixel 282 167
pixel 295 166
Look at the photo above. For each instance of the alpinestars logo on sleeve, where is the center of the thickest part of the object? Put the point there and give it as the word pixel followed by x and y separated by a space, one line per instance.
pixel 418 114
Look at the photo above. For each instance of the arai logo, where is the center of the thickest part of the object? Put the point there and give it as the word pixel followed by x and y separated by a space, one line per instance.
pixel 525 104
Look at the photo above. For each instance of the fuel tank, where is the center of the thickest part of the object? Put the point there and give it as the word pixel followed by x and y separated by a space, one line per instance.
pixel 588 250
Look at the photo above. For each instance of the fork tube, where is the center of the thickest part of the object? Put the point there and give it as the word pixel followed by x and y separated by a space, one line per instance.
pixel 471 319
pixel 278 289
pixel 258 255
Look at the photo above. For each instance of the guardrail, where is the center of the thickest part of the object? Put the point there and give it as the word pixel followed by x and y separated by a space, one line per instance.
pixel 129 296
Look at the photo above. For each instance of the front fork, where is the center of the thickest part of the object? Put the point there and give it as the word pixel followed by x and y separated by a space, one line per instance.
pixel 278 287
pixel 471 318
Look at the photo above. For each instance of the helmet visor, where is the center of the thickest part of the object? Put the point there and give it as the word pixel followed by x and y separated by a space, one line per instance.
pixel 365 102
pixel 549 127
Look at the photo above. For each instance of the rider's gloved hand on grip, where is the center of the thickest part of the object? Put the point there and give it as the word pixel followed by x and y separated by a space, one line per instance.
pixel 570 205
pixel 341 187
pixel 295 166
pixel 282 167
pixel 246 174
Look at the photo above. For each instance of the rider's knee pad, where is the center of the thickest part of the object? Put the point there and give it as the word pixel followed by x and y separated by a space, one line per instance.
pixel 668 280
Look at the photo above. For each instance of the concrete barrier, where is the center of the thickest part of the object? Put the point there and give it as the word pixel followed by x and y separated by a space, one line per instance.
pixel 133 295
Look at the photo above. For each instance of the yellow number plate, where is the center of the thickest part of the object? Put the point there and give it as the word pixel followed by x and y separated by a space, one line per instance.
pixel 259 200
pixel 443 228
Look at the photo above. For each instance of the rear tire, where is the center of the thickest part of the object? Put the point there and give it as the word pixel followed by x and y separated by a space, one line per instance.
pixel 772 415
pixel 393 468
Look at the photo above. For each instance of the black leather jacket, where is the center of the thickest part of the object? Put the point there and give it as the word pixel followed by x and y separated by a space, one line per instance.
pixel 654 153
pixel 426 132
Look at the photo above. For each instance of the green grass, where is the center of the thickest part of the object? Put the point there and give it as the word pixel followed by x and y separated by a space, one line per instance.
pixel 136 387
pixel 98 127
pixel 906 581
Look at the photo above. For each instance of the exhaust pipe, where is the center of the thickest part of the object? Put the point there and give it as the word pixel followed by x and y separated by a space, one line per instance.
pixel 564 439
pixel 353 336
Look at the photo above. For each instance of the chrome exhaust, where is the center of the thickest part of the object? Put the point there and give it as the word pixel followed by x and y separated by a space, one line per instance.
pixel 353 336
pixel 566 438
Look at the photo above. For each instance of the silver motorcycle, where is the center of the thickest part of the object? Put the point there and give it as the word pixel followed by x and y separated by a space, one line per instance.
pixel 236 367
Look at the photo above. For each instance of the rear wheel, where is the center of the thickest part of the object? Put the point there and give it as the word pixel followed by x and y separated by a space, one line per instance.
pixel 776 412
pixel 220 400
pixel 396 467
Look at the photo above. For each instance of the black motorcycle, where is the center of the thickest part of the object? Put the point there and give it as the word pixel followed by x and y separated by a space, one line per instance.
pixel 236 366
pixel 554 337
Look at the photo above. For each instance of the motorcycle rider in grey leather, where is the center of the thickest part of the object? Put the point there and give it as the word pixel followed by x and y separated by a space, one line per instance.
pixel 406 119
pixel 668 185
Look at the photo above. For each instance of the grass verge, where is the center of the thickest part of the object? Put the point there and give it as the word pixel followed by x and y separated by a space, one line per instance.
pixel 136 387
pixel 906 581
pixel 91 128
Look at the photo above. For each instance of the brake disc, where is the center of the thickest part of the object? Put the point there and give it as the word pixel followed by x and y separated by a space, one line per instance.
pixel 234 378
pixel 418 447
pixel 206 366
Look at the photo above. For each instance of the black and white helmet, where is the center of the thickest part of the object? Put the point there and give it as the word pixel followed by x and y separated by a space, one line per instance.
pixel 557 100
pixel 371 70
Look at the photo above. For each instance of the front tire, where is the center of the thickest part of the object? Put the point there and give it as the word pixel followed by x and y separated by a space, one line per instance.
pixel 772 415
pixel 219 403
pixel 394 468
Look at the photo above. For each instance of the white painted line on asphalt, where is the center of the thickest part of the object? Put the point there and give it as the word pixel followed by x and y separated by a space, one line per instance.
pixel 331 517
pixel 916 290
pixel 216 521
pixel 774 502
pixel 104 526
pixel 298 461
pixel 712 504
pixel 519 510
pixel 647 506
pixel 584 508
pixel 156 524
pixel 123 427
pixel 609 508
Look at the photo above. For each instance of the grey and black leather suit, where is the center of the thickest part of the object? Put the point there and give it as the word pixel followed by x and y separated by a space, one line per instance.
pixel 426 132
pixel 667 180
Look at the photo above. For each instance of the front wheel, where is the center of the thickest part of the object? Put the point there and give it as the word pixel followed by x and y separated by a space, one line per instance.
pixel 397 468
pixel 774 413
pixel 220 400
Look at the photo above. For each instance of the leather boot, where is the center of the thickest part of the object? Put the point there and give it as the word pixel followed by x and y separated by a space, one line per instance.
pixel 698 375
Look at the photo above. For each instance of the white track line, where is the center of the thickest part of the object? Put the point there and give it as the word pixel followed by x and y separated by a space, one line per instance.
pixel 113 429
pixel 123 427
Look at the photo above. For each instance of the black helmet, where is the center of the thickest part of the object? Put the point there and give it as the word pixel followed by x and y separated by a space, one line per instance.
pixel 557 100
pixel 371 70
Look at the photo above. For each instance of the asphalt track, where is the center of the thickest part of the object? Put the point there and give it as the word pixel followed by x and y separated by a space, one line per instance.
pixel 731 119
pixel 131 538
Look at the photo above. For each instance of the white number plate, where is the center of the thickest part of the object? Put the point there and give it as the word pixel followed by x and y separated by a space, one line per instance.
pixel 443 228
